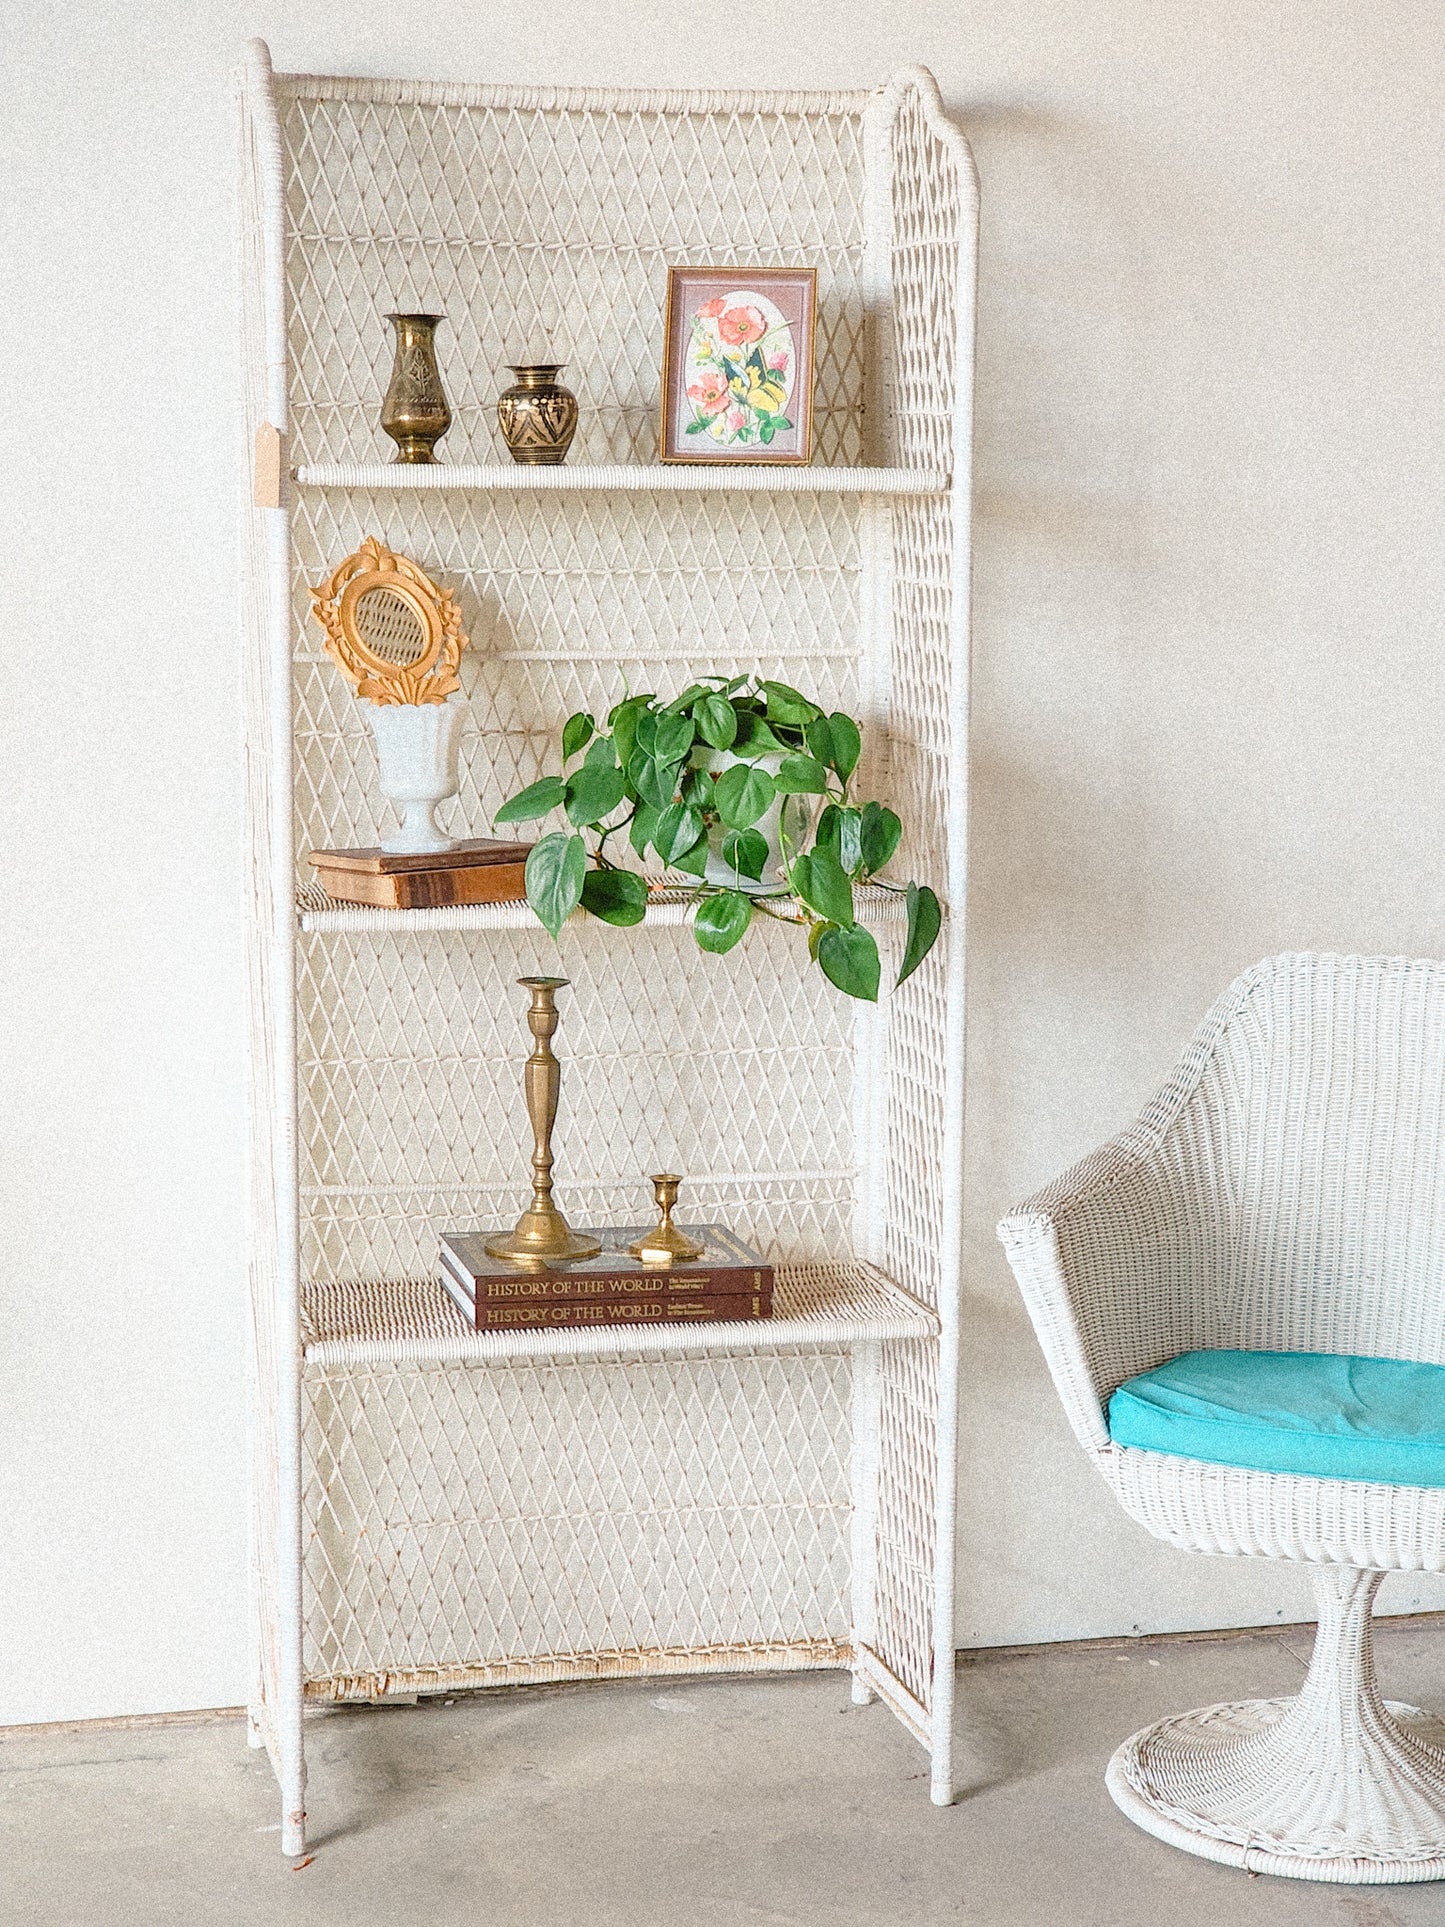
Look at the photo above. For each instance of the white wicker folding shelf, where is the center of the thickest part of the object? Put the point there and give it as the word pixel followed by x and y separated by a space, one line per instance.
pixel 414 1320
pixel 627 475
pixel 316 912
pixel 434 1509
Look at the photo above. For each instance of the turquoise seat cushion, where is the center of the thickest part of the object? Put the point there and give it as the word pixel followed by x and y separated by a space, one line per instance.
pixel 1310 1412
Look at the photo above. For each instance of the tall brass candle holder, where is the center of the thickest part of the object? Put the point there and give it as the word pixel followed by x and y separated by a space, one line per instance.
pixel 542 1235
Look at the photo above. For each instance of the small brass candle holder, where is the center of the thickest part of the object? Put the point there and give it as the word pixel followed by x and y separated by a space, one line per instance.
pixel 665 1244
pixel 542 1234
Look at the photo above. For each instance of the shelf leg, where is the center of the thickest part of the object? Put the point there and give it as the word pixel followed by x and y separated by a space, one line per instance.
pixel 254 1736
pixel 293 1832
pixel 863 1694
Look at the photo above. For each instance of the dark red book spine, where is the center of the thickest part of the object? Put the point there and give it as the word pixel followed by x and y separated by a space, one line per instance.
pixel 697 1308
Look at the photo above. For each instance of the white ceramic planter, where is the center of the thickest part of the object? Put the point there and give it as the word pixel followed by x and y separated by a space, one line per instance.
pixel 794 812
pixel 416 751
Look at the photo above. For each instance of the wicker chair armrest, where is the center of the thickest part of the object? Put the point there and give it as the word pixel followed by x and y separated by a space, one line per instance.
pixel 1085 1251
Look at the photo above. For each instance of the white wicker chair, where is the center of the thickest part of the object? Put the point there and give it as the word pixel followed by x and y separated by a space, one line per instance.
pixel 1284 1191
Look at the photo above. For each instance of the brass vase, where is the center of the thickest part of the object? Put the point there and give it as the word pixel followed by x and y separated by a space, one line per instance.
pixel 537 415
pixel 414 412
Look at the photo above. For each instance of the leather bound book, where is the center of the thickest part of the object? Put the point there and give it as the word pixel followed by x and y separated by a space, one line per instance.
pixel 478 870
pixel 729 1281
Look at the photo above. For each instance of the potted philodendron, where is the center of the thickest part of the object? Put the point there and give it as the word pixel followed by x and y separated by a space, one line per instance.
pixel 743 784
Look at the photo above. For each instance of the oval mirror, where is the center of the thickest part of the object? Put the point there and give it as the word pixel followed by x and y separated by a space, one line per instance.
pixel 390 628
pixel 392 631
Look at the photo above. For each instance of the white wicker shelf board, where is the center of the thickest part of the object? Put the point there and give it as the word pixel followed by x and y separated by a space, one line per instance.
pixel 680 479
pixel 319 915
pixel 414 1321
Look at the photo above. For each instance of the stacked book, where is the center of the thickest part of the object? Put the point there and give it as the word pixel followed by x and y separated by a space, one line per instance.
pixel 728 1284
pixel 477 870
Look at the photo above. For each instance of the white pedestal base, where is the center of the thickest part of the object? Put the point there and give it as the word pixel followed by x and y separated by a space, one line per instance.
pixel 1335 1784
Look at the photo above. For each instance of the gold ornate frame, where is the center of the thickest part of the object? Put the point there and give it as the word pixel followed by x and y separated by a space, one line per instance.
pixel 432 675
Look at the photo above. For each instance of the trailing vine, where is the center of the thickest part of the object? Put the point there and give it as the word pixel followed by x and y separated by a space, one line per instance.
pixel 694 781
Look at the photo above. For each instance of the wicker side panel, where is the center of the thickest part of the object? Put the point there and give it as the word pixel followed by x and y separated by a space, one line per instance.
pixel 930 245
pixel 906 1531
pixel 263 1121
pixel 546 235
pixel 461 1517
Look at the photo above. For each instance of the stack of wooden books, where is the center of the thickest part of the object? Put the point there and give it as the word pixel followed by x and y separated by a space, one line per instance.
pixel 728 1284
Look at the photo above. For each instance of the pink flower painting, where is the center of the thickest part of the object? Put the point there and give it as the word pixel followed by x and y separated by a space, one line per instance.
pixel 739 371
pixel 740 327
pixel 711 393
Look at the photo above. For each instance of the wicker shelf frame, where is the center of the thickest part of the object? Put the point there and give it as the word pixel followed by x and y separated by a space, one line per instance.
pixel 432 1509
pixel 637 476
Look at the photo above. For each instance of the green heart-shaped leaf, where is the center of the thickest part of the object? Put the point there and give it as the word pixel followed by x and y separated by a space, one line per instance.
pixel 685 701
pixel 925 919
pixel 593 793
pixel 678 828
pixel 878 836
pixel 673 738
pixel 655 782
pixel 617 896
pixel 622 721
pixel 742 794
pixel 754 738
pixel 642 827
pixel 819 880
pixel 746 851
pixel 533 801
pixel 850 841
pixel 846 744
pixel 693 862
pixel 577 730
pixel 554 875
pixel 788 705
pixel 849 959
pixel 722 921
pixel 801 776
pixel 717 722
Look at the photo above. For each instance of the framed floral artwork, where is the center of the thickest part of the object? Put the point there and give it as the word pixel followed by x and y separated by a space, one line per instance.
pixel 737 365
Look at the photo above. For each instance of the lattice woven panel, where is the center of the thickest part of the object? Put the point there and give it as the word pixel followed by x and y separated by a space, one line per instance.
pixel 456 1514
pixel 547 236
pixel 736 1071
pixel 568 601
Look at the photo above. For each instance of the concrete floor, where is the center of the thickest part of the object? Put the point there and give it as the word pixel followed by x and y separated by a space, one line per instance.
pixel 719 1803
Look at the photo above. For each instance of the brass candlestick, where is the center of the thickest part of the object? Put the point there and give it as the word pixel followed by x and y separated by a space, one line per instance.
pixel 542 1235
pixel 665 1244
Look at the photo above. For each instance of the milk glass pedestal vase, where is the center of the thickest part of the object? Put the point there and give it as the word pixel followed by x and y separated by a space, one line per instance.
pixel 787 816
pixel 416 753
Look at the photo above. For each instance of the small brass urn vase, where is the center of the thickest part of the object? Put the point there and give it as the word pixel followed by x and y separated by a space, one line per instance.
pixel 414 412
pixel 537 415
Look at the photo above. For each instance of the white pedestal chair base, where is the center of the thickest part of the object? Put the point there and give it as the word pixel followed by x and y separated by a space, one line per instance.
pixel 1332 1785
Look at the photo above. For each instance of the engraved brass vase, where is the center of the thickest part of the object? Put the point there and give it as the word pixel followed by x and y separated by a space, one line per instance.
pixel 414 411
pixel 537 415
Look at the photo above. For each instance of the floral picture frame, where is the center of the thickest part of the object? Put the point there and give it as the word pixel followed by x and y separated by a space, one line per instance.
pixel 737 365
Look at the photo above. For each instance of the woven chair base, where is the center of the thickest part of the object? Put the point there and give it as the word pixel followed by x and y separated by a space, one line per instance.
pixel 1229 1783
pixel 1335 1784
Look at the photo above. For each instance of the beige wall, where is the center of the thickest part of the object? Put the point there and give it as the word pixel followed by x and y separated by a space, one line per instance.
pixel 1210 418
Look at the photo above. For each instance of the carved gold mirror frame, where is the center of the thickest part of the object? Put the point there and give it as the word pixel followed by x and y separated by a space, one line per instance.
pixel 390 630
